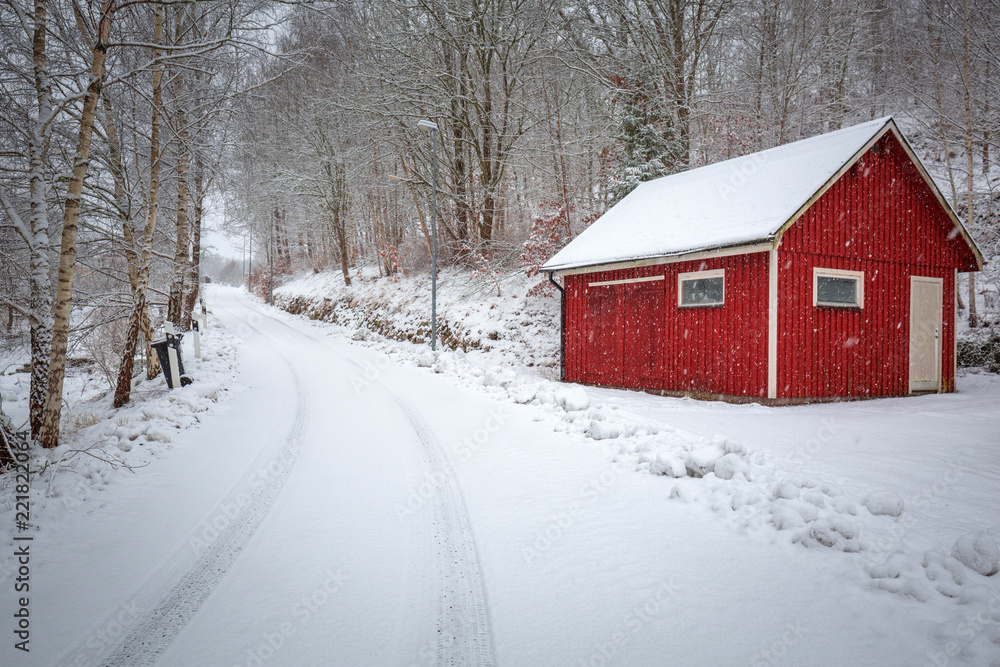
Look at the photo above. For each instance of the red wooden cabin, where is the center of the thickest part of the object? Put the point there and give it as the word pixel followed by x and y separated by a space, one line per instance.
pixel 819 269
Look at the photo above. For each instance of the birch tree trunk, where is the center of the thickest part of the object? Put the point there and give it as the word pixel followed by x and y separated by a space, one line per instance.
pixel 52 414
pixel 139 317
pixel 181 261
pixel 194 266
pixel 41 288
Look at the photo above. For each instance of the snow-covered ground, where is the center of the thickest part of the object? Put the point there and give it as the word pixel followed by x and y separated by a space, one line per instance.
pixel 367 502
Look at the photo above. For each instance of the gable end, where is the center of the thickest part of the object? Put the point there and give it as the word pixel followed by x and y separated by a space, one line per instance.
pixel 967 256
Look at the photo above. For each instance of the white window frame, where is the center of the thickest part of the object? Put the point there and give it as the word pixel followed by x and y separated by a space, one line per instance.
pixel 858 276
pixel 700 275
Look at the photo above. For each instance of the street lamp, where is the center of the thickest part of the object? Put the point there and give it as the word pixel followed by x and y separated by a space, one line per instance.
pixel 270 258
pixel 433 128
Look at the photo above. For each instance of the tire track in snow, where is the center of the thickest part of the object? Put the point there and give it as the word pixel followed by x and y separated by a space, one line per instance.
pixel 150 636
pixel 464 636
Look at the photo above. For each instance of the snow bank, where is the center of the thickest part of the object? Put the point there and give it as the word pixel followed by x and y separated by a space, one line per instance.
pixel 514 330
pixel 91 457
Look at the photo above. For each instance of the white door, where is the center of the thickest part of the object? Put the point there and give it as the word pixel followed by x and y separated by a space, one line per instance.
pixel 926 304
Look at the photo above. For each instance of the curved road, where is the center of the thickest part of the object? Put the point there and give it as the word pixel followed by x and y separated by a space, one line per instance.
pixel 319 556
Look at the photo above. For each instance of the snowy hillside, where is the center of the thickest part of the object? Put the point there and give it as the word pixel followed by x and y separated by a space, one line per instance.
pixel 510 327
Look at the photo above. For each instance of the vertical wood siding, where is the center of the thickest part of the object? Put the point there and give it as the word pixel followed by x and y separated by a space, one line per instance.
pixel 880 218
pixel 635 335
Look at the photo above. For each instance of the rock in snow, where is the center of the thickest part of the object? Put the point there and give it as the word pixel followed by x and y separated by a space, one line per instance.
pixel 880 503
pixel 978 552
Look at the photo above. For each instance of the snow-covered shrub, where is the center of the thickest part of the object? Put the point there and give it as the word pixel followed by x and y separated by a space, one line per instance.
pixel 984 353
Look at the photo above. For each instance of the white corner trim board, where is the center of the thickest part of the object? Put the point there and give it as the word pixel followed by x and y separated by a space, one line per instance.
pixel 772 325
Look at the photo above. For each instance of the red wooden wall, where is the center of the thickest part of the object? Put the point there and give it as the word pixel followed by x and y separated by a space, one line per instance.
pixel 635 335
pixel 881 218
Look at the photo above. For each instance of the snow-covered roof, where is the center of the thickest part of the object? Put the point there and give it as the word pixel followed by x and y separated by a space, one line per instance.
pixel 736 202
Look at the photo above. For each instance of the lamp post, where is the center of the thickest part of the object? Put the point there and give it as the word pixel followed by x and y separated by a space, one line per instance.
pixel 433 128
pixel 270 256
pixel 250 263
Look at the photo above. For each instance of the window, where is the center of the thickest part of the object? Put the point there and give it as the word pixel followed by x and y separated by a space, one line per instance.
pixel 838 289
pixel 701 288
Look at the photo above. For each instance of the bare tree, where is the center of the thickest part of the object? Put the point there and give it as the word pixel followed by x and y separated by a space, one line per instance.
pixel 49 432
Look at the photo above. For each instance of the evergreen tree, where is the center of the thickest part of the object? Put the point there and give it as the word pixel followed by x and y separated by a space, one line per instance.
pixel 646 145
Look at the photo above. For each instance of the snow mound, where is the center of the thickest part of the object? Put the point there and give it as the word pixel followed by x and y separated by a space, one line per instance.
pixel 880 503
pixel 978 552
pixel 832 533
pixel 499 377
pixel 603 430
pixel 980 594
pixel 524 394
pixel 785 515
pixel 730 466
pixel 572 398
pixel 669 465
pixel 786 489
pixel 945 573
pixel 702 460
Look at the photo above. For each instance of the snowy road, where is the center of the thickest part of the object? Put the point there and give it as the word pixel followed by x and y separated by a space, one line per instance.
pixel 377 439
pixel 341 509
